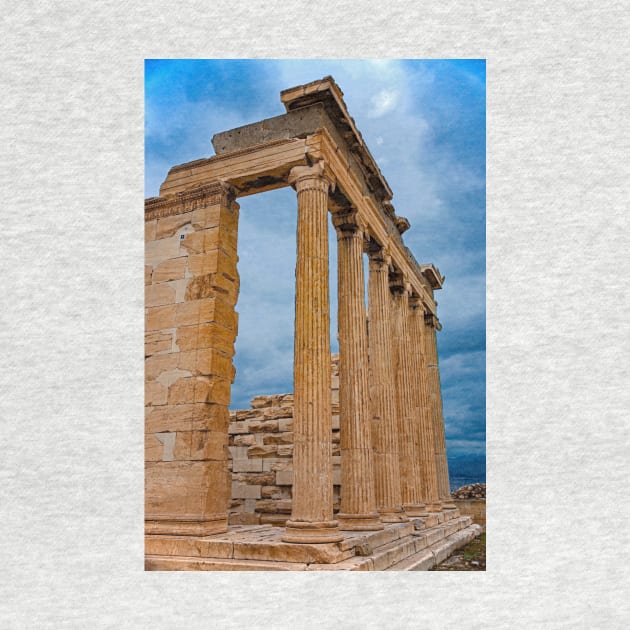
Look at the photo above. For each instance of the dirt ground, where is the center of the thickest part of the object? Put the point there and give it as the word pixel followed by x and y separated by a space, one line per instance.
pixel 472 557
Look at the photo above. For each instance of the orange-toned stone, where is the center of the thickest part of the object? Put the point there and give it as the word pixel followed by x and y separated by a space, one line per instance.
pixel 150 230
pixel 207 445
pixel 172 269
pixel 155 393
pixel 212 238
pixel 212 389
pixel 158 364
pixel 182 391
pixel 209 335
pixel 212 285
pixel 210 417
pixel 168 226
pixel 155 342
pixel 159 294
pixel 214 216
pixel 213 261
pixel 159 317
pixel 168 418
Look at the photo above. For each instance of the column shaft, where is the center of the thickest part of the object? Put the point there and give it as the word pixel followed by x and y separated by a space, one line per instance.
pixel 407 435
pixel 436 409
pixel 383 393
pixel 358 505
pixel 424 416
pixel 312 505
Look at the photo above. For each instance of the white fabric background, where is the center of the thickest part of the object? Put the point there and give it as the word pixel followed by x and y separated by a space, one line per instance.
pixel 72 317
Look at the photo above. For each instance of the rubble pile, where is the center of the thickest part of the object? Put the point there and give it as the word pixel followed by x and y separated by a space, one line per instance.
pixel 472 491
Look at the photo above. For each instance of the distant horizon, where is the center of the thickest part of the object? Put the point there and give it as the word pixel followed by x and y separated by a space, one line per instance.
pixel 424 123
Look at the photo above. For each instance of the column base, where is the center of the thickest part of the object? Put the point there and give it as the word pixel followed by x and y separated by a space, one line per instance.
pixel 187 525
pixel 312 532
pixel 434 507
pixel 448 504
pixel 395 515
pixel 359 522
pixel 415 509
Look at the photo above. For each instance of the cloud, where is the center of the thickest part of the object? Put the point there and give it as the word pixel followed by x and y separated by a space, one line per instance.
pixel 383 102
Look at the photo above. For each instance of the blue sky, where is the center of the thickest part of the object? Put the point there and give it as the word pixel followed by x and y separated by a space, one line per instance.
pixel 424 122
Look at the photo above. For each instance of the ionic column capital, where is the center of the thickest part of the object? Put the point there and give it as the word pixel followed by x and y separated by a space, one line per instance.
pixel 378 257
pixel 399 285
pixel 416 304
pixel 348 223
pixel 316 177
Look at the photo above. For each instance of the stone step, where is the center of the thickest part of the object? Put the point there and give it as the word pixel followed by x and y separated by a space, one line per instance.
pixel 431 555
pixel 372 540
pixel 398 547
pixel 183 563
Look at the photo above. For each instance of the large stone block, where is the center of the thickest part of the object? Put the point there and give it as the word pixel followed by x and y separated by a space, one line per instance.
pixel 207 335
pixel 172 269
pixel 182 391
pixel 193 489
pixel 213 261
pixel 245 491
pixel 213 285
pixel 192 312
pixel 279 438
pixel 153 448
pixel 247 465
pixel 262 451
pixel 159 294
pixel 158 251
pixel 155 342
pixel 150 230
pixel 155 393
pixel 168 418
pixel 207 445
pixel 213 238
pixel 159 318
pixel 212 389
pixel 285 424
pixel 168 226
pixel 276 413
pixel 210 361
pixel 214 216
pixel 284 478
pixel 210 417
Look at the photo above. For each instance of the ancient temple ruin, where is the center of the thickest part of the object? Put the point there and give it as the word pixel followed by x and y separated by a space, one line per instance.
pixel 395 511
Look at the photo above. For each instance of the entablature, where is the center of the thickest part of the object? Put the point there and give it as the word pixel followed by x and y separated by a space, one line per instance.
pixel 316 129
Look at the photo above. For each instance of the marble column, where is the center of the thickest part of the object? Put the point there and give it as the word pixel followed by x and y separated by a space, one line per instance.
pixel 424 416
pixel 383 391
pixel 436 410
pixel 312 505
pixel 358 505
pixel 407 435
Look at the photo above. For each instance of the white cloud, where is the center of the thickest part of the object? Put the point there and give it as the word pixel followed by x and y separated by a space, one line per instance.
pixel 383 102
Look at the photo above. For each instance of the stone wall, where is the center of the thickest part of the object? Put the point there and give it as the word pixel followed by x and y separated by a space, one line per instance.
pixel 473 507
pixel 261 457
pixel 191 286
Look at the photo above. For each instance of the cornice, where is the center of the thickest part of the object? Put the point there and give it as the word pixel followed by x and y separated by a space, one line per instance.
pixel 188 200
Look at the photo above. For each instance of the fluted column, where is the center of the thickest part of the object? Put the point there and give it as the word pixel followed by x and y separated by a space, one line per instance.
pixel 436 408
pixel 358 505
pixel 383 392
pixel 424 416
pixel 407 435
pixel 312 505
